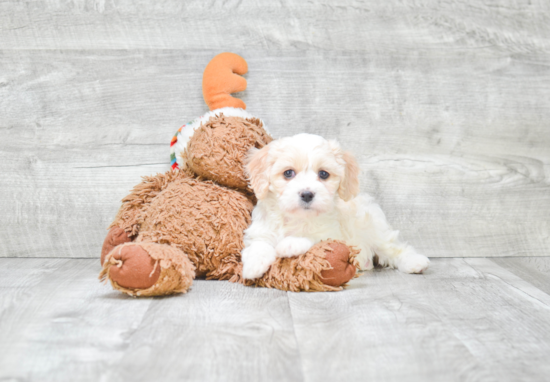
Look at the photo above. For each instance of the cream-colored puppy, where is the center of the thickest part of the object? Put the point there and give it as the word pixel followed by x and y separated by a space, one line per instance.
pixel 307 190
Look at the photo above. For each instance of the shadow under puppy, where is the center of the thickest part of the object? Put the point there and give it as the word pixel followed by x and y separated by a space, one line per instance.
pixel 307 190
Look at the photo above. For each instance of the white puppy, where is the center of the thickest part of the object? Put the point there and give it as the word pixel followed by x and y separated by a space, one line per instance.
pixel 307 192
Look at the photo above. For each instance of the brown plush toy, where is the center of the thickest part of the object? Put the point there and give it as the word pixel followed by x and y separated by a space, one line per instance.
pixel 190 221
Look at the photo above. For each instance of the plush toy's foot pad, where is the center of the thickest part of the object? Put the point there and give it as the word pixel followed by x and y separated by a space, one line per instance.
pixel 148 269
pixel 132 267
pixel 115 236
pixel 343 269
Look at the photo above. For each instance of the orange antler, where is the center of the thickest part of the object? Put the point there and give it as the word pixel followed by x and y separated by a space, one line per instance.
pixel 221 77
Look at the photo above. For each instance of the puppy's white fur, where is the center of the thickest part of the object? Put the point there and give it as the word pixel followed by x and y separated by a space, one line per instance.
pixel 285 225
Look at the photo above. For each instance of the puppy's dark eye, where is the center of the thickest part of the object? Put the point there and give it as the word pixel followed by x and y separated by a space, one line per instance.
pixel 323 174
pixel 289 174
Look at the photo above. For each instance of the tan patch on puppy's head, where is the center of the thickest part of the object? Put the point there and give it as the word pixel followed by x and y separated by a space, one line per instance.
pixel 349 183
pixel 257 166
pixel 349 186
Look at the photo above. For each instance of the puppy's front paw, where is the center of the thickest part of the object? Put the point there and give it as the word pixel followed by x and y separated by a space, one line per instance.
pixel 413 263
pixel 293 246
pixel 257 259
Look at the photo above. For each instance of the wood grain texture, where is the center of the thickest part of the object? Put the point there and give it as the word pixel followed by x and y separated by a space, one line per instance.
pixel 57 323
pixel 463 320
pixel 350 25
pixel 219 331
pixel 445 105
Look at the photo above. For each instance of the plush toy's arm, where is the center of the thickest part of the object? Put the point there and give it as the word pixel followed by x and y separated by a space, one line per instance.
pixel 141 195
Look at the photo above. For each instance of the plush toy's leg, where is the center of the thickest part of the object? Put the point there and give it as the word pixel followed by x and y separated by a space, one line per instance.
pixel 115 236
pixel 148 269
pixel 133 205
pixel 327 266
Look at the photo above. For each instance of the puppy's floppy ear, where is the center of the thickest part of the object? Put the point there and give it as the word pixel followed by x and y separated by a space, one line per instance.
pixel 257 166
pixel 349 186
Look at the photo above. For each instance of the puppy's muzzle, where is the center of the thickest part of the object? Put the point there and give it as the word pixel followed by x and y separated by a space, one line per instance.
pixel 307 196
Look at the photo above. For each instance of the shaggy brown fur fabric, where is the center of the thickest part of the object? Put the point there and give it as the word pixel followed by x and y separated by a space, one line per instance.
pixel 176 271
pixel 133 268
pixel 305 272
pixel 204 220
pixel 217 149
pixel 141 195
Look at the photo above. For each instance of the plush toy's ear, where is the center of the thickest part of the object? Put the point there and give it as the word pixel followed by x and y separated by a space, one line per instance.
pixel 349 186
pixel 257 166
pixel 221 77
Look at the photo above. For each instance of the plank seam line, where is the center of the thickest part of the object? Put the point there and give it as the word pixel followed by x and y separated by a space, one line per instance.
pixel 517 289
pixel 296 337
pixel 125 165
pixel 49 257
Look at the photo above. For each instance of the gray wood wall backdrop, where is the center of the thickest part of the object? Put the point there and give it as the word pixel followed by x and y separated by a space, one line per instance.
pixel 445 103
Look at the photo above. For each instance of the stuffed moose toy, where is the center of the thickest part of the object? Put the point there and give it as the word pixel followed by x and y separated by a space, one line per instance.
pixel 189 222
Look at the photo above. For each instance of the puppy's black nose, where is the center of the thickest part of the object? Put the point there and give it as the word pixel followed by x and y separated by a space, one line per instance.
pixel 307 196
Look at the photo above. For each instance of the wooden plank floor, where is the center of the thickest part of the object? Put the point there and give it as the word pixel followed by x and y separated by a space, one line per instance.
pixel 465 319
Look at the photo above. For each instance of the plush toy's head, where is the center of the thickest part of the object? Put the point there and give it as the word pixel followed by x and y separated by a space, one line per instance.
pixel 215 145
pixel 217 149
